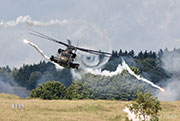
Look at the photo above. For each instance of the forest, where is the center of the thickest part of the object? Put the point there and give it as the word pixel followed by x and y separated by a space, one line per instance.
pixel 119 87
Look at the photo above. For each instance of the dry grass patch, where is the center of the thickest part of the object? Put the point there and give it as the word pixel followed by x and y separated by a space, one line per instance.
pixel 170 111
pixel 61 110
pixel 74 110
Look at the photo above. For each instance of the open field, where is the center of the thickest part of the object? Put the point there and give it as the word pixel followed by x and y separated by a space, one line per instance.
pixel 74 110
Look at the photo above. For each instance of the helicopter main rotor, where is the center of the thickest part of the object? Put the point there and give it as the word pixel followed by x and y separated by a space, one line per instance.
pixel 69 45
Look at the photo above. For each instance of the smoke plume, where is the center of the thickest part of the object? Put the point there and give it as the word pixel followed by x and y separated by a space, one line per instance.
pixel 41 52
pixel 27 20
pixel 8 85
pixel 170 61
pixel 118 70
pixel 126 67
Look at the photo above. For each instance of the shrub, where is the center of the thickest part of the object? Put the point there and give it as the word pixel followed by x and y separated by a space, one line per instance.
pixel 146 105
pixel 49 90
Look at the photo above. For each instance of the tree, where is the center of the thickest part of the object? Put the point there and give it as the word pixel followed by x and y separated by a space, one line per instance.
pixel 132 53
pixel 79 90
pixel 145 105
pixel 34 76
pixel 140 55
pixel 49 90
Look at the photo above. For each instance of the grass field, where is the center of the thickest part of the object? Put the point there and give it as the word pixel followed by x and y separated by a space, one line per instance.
pixel 74 110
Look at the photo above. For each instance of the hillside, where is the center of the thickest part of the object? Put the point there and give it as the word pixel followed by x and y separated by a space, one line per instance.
pixel 73 110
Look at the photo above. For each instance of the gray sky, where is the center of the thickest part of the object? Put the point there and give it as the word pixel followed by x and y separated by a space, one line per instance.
pixel 97 24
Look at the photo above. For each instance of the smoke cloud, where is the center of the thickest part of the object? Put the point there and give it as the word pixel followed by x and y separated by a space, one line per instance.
pixel 118 70
pixel 27 20
pixel 8 85
pixel 170 60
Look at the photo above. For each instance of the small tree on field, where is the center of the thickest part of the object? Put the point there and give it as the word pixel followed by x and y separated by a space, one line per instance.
pixel 145 105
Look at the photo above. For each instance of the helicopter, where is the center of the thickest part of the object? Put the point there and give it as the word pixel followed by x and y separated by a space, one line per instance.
pixel 66 57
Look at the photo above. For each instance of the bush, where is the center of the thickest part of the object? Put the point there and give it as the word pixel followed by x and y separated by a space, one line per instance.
pixel 49 90
pixel 146 105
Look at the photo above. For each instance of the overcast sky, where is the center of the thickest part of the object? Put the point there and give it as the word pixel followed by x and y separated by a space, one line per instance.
pixel 97 24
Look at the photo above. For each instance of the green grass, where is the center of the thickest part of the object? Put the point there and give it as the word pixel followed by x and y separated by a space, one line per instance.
pixel 74 110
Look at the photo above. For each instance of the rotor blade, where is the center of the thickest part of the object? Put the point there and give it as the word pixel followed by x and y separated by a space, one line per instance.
pixel 94 51
pixel 38 34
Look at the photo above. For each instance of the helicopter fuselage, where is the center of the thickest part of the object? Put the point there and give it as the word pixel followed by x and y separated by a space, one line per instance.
pixel 65 58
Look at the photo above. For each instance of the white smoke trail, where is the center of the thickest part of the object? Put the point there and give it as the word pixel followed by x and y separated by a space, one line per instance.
pixel 126 67
pixel 27 20
pixel 119 70
pixel 41 52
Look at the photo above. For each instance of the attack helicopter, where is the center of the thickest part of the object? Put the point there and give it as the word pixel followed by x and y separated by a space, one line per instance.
pixel 65 57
